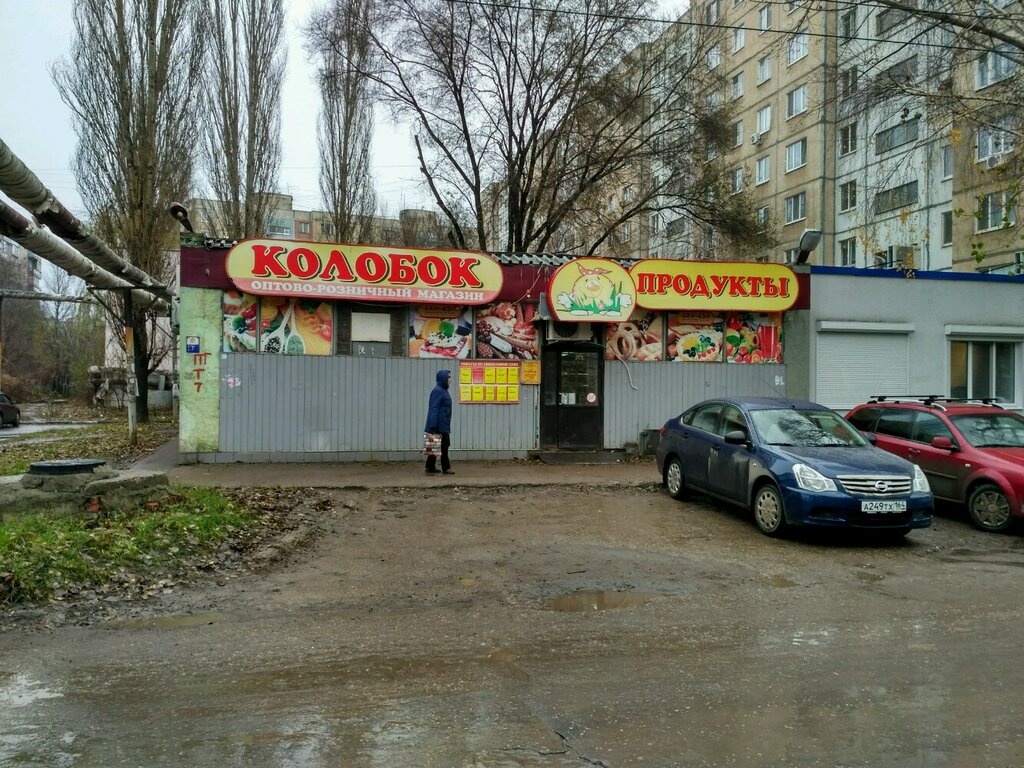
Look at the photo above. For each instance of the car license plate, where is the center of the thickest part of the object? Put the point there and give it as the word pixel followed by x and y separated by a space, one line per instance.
pixel 883 506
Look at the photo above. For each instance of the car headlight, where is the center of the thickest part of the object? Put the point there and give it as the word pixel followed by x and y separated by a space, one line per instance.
pixel 811 479
pixel 920 481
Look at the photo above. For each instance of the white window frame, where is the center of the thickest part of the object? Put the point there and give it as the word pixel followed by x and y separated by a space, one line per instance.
pixel 736 86
pixel 739 38
pixel 848 139
pixel 764 69
pixel 947 162
pixel 976 338
pixel 848 195
pixel 790 98
pixel 764 119
pixel 796 207
pixel 848 252
pixel 993 67
pixel 764 17
pixel 714 57
pixel 797 47
pixel 995 212
pixel 763 214
pixel 737 133
pixel 996 140
pixel 947 216
pixel 736 181
pixel 763 170
pixel 796 155
pixel 848 26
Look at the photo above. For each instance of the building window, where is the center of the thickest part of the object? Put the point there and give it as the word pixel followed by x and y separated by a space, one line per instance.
pixel 996 140
pixel 627 194
pixel 792 254
pixel 848 83
pixel 764 17
pixel 848 196
pixel 737 133
pixel 848 139
pixel 714 57
pixel 714 11
pixel 947 162
pixel 896 136
pixel 796 101
pixel 901 74
pixel 737 85
pixel 737 40
pixel 764 119
pixel 897 197
pixel 764 69
pixel 714 99
pixel 372 333
pixel 796 207
pixel 796 155
pixel 848 252
pixel 888 19
pixel 763 172
pixel 848 25
pixel 947 227
pixel 995 211
pixel 994 66
pixel 980 369
pixel 764 213
pixel 655 224
pixel 303 227
pixel 737 180
pixel 627 232
pixel 797 48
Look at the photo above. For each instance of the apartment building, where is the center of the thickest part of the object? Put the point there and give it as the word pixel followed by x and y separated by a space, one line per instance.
pixel 19 267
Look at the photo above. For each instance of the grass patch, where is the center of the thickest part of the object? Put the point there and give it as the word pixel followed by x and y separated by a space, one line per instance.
pixel 108 440
pixel 43 557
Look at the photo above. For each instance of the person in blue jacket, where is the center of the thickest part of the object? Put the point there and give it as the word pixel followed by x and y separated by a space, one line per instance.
pixel 439 421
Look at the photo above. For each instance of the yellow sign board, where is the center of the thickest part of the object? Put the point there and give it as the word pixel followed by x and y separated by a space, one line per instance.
pixel 713 285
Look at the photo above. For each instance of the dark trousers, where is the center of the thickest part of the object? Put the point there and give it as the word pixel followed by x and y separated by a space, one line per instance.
pixel 445 463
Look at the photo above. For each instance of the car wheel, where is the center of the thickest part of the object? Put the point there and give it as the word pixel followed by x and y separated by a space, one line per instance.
pixel 17 420
pixel 989 508
pixel 674 478
pixel 769 513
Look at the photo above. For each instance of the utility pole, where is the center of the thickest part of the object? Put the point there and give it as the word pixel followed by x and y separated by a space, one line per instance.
pixel 132 383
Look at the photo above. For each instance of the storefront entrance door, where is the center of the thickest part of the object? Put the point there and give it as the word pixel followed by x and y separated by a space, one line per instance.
pixel 572 405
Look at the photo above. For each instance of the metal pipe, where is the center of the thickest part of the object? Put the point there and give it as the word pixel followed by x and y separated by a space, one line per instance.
pixel 24 187
pixel 48 246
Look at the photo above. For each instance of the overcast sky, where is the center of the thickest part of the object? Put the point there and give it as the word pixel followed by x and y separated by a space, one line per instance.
pixel 36 124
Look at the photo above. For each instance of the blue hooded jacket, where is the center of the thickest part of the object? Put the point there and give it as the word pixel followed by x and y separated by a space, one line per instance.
pixel 439 412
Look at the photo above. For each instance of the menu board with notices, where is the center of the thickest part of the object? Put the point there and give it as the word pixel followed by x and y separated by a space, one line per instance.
pixel 489 382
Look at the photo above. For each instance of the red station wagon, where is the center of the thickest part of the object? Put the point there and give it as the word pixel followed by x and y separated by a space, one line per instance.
pixel 971 452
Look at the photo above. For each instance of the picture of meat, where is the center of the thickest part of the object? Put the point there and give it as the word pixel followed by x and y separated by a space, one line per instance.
pixel 440 331
pixel 638 340
pixel 505 331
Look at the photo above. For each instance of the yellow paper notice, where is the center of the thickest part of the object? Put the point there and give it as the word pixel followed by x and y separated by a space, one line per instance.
pixel 501 376
pixel 488 375
pixel 513 393
pixel 465 392
pixel 489 394
pixel 513 375
pixel 478 393
pixel 465 374
pixel 502 394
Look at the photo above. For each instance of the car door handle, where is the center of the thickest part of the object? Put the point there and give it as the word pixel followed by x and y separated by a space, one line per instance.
pixel 914 452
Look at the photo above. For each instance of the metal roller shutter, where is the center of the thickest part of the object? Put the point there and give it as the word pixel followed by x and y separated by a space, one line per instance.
pixel 853 366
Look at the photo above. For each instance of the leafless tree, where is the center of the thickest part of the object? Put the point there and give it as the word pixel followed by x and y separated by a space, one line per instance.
pixel 339 42
pixel 526 114
pixel 131 81
pixel 242 111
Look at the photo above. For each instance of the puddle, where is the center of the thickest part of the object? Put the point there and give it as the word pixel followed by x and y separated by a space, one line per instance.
pixel 20 691
pixel 599 601
pixel 174 622
pixel 779 581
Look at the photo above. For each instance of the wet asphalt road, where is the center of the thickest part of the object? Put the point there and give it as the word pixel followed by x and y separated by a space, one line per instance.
pixel 556 628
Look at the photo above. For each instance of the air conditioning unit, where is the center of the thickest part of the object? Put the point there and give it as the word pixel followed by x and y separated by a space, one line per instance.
pixel 755 138
pixel 993 161
pixel 561 331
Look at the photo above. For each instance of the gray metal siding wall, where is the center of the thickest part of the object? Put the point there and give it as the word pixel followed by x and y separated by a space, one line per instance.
pixel 662 390
pixel 280 408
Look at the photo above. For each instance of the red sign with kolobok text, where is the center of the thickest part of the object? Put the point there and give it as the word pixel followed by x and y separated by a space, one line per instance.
pixel 713 285
pixel 363 272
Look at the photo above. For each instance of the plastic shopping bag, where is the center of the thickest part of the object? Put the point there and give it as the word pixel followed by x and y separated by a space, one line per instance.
pixel 431 444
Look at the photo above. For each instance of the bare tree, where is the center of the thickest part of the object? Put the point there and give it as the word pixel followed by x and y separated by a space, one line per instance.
pixel 243 125
pixel 339 42
pixel 131 81
pixel 525 115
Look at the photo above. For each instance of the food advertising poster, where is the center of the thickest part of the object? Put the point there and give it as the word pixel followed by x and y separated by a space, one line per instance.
pixel 592 290
pixel 440 330
pixel 493 382
pixel 638 340
pixel 530 372
pixel 753 338
pixel 239 322
pixel 296 326
pixel 695 337
pixel 505 330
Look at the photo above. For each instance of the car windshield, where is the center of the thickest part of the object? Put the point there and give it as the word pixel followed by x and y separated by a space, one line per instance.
pixel 1002 429
pixel 807 428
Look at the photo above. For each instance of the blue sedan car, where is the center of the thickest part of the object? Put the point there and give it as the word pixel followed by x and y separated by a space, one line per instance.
pixel 794 463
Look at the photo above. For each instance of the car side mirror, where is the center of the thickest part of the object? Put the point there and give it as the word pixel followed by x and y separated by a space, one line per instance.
pixel 870 437
pixel 943 443
pixel 737 437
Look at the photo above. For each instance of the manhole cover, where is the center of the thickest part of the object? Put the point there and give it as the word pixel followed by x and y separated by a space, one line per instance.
pixel 64 466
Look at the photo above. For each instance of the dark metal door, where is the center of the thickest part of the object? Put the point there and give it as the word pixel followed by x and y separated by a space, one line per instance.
pixel 572 404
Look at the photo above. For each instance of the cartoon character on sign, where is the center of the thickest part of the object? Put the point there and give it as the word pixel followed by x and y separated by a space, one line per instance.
pixel 594 293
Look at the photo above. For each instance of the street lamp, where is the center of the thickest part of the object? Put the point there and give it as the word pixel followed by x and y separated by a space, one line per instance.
pixel 808 242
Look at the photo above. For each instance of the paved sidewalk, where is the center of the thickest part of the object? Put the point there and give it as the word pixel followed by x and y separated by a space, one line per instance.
pixel 478 474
